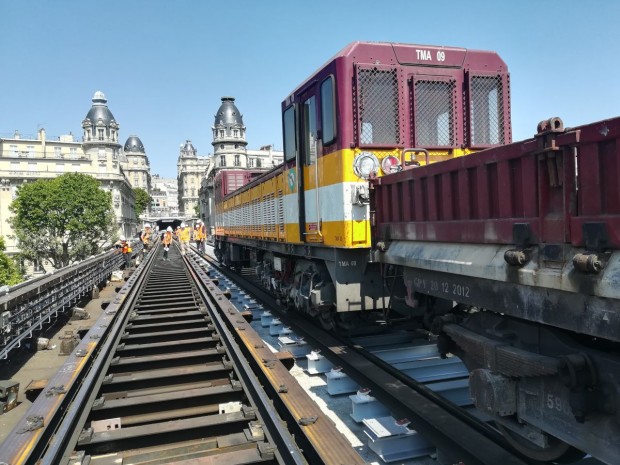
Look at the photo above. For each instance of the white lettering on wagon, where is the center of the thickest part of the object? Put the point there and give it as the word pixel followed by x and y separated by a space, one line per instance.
pixel 442 287
pixel 426 55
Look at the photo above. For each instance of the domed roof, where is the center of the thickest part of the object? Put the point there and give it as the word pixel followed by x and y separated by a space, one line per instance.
pixel 188 149
pixel 99 110
pixel 134 144
pixel 228 113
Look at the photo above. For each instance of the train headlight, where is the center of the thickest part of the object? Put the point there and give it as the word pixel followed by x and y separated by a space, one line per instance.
pixel 365 163
pixel 391 164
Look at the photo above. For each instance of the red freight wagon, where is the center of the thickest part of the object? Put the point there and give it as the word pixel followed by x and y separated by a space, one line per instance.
pixel 512 256
pixel 559 188
pixel 228 181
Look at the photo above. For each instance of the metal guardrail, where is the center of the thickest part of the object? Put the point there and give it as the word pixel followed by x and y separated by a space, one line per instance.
pixel 35 305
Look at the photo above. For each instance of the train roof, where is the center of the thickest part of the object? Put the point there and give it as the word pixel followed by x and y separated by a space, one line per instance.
pixel 394 53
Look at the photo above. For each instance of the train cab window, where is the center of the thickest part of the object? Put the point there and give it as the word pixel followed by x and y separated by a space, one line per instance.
pixel 309 130
pixel 434 113
pixel 289 134
pixel 377 104
pixel 328 111
pixel 487 110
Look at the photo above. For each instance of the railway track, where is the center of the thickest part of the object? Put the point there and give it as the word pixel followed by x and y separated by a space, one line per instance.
pixel 172 373
pixel 456 434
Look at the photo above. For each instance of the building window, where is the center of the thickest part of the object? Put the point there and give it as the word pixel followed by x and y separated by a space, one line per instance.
pixel 13 149
pixel 73 153
pixel 250 162
pixel 221 133
pixel 222 160
pixel 236 133
pixel 237 160
pixel 236 146
pixel 30 149
pixel 14 166
pixel 102 155
pixel 100 134
pixel 222 146
pixel 258 163
pixel 57 152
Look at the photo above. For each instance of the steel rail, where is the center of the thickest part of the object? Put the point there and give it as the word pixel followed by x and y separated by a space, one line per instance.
pixel 287 450
pixel 313 430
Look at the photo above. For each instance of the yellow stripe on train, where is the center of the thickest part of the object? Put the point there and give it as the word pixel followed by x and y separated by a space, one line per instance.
pixel 269 210
pixel 352 234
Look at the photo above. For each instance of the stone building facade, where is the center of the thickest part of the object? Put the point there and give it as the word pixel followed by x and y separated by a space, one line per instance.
pixel 190 168
pixel 28 158
pixel 165 197
pixel 230 152
pixel 137 167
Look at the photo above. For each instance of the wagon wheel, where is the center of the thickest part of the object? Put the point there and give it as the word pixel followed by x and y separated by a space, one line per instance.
pixel 557 451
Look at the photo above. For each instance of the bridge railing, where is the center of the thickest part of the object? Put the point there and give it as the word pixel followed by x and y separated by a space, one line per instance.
pixel 31 307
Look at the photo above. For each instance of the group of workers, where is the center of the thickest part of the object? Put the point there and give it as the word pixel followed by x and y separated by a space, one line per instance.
pixel 183 233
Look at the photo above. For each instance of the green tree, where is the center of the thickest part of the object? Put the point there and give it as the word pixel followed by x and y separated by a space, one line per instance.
pixel 9 272
pixel 143 200
pixel 63 220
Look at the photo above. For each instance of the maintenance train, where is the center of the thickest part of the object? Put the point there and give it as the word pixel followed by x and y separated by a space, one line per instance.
pixel 508 252
pixel 372 109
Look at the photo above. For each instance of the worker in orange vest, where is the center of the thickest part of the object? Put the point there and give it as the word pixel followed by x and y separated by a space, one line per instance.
pixel 167 241
pixel 126 250
pixel 200 234
pixel 145 237
pixel 184 237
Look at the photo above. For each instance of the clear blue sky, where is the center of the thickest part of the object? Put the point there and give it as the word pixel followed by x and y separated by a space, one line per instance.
pixel 164 65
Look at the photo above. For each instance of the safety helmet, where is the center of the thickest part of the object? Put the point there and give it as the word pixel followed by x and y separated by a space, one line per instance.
pixel 182 225
pixel 169 229
pixel 198 221
pixel 147 225
pixel 123 238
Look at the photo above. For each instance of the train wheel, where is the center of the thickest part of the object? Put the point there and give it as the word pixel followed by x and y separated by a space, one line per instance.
pixel 557 451
pixel 327 319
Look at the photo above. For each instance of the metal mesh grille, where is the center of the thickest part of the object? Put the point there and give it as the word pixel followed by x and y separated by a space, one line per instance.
pixel 487 110
pixel 281 211
pixel 378 107
pixel 434 115
pixel 271 220
pixel 256 220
